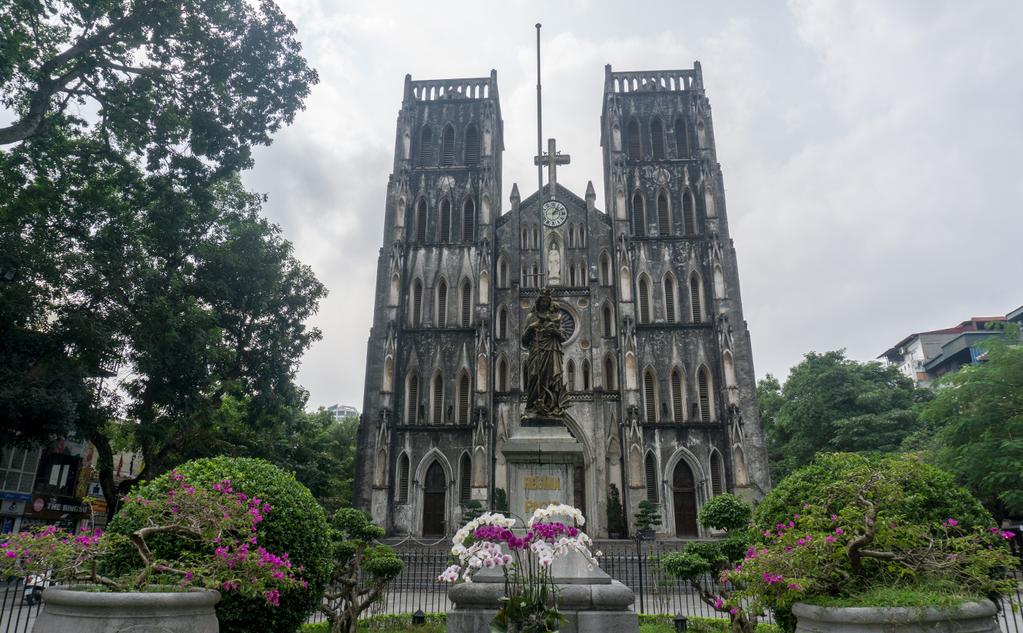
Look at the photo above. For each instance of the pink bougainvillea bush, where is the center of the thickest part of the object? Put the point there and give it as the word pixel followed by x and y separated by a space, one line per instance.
pixel 220 522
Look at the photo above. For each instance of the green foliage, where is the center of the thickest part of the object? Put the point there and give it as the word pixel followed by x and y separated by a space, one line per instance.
pixel 296 525
pixel 471 509
pixel 665 623
pixel 831 403
pixel 615 512
pixel 930 495
pixel 500 500
pixel 648 516
pixel 725 512
pixel 980 408
pixel 935 595
pixel 648 623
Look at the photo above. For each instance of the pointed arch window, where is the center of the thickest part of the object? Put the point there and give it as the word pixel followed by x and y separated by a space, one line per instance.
pixel 663 215
pixel 678 410
pixel 502 273
pixel 571 236
pixel 447 145
pixel 468 220
pixel 610 379
pixel 719 282
pixel 638 215
pixel 694 298
pixel 657 138
pixel 412 399
pixel 466 304
pixel 650 395
pixel 426 145
pixel 502 323
pixel 472 145
pixel 502 375
pixel 437 408
pixel 442 304
pixel 525 239
pixel 586 375
pixel 651 479
pixel 464 478
pixel 570 376
pixel 669 298
pixel 445 222
pixel 417 304
pixel 635 148
pixel 644 299
pixel 421 221
pixel 681 138
pixel 403 469
pixel 703 386
pixel 608 321
pixel 689 212
pixel 605 270
pixel 463 398
pixel 717 474
pixel 536 237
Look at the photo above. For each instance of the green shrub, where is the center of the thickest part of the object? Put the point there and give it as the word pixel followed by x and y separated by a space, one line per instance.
pixel 665 623
pixel 615 513
pixel 725 512
pixel 296 525
pixel 648 516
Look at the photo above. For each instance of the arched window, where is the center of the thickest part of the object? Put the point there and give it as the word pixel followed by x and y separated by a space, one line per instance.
pixel 472 145
pixel 395 291
pixel 586 375
pixel 605 270
pixel 689 211
pixel 442 304
pixel 525 239
pixel 534 277
pixel 421 221
pixel 644 299
pixel 681 138
pixel 468 220
pixel 651 479
pixel 417 304
pixel 464 478
pixel 402 478
pixel 694 298
pixel 426 146
pixel 638 215
pixel 650 395
pixel 663 215
pixel 536 237
pixel 701 134
pixel 502 323
pixel 437 408
pixel 571 275
pixel 610 379
pixel 447 146
pixel 502 272
pixel 678 409
pixel 570 376
pixel 502 375
pixel 463 398
pixel 703 385
pixel 657 136
pixel 607 319
pixel 635 149
pixel 571 236
pixel 466 303
pixel 445 222
pixel 669 298
pixel 717 474
pixel 412 399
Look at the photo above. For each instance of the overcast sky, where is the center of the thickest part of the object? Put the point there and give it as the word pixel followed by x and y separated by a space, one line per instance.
pixel 871 150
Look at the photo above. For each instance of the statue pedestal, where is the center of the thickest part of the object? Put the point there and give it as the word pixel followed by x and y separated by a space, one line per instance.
pixel 590 600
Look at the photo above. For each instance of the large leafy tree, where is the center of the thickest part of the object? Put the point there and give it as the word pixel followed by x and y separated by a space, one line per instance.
pixel 832 403
pixel 979 411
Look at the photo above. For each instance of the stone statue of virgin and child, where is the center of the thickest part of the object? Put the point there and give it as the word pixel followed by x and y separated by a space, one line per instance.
pixel 546 394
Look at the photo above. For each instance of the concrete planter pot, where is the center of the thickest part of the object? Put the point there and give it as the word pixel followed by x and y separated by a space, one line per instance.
pixel 74 611
pixel 970 617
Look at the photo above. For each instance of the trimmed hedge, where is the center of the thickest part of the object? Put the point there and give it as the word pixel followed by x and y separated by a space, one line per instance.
pixel 648 623
pixel 296 524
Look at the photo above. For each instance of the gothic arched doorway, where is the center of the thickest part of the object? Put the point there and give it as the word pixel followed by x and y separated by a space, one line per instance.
pixel 434 501
pixel 683 486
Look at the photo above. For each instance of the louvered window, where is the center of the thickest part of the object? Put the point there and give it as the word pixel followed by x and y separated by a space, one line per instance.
pixel 442 304
pixel 472 146
pixel 649 396
pixel 417 304
pixel 421 221
pixel 570 376
pixel 466 304
pixel 447 146
pixel 502 323
pixel 502 274
pixel 657 136
pixel 502 375
pixel 681 138
pixel 463 399
pixel 609 374
pixel 669 298
pixel 704 388
pixel 426 146
pixel 586 375
pixel 663 215
pixel 605 270
pixel 445 222
pixel 689 212
pixel 638 215
pixel 403 468
pixel 716 474
pixel 608 331
pixel 412 403
pixel 694 296
pixel 651 479
pixel 464 479
pixel 468 221
pixel 635 150
pixel 677 410
pixel 644 300
pixel 438 399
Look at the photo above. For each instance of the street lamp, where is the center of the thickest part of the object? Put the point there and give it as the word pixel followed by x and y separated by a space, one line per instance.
pixel 681 624
pixel 418 618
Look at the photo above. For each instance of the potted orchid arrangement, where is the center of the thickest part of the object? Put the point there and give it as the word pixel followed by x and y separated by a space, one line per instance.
pixel 530 602
pixel 219 526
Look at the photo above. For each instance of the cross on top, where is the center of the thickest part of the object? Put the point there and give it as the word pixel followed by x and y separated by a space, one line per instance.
pixel 552 158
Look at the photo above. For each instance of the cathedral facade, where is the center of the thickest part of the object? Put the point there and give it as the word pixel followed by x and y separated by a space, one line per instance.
pixel 657 359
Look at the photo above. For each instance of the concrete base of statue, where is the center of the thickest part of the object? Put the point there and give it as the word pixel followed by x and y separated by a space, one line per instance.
pixel 590 600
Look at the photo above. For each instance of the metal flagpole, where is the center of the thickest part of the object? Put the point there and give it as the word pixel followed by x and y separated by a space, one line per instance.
pixel 542 282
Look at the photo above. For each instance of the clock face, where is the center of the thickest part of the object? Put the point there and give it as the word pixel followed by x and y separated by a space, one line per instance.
pixel 554 213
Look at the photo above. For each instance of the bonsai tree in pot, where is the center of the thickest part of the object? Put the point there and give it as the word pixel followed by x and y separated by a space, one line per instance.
pixel 615 513
pixel 888 533
pixel 648 517
pixel 226 555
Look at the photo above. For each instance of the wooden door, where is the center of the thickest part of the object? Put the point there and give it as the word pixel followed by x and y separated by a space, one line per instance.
pixel 434 501
pixel 684 497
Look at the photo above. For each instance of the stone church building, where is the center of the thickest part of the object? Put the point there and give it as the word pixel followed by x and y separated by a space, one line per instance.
pixel 657 361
